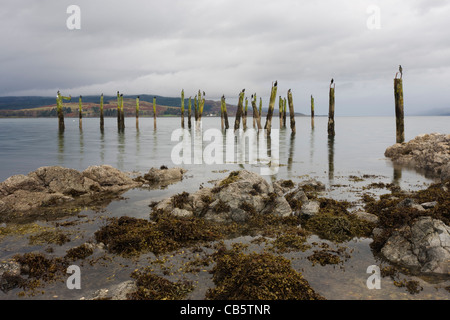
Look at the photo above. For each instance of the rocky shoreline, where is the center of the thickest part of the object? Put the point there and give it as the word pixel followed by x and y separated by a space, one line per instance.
pixel 410 230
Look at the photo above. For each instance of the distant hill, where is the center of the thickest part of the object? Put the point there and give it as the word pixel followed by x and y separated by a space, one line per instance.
pixel 35 106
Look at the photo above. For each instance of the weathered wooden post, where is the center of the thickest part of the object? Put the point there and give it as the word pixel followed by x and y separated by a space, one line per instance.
pixel 196 108
pixel 80 112
pixel 284 112
pixel 399 111
pixel 280 111
pixel 222 120
pixel 118 110
pixel 137 111
pixel 312 111
pixel 122 113
pixel 244 118
pixel 331 131
pixel 291 111
pixel 256 114
pixel 182 108
pixel 225 114
pixel 102 119
pixel 201 104
pixel 60 111
pixel 189 113
pixel 239 111
pixel 154 112
pixel 260 107
pixel 273 94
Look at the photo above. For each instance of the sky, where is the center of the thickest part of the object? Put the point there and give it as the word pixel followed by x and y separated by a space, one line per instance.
pixel 224 46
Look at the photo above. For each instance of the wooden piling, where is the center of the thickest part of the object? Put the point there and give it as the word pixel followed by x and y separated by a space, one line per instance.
pixel 137 111
pixel 80 112
pixel 122 113
pixel 182 109
pixel 225 114
pixel 331 131
pixel 239 111
pixel 256 114
pixel 154 112
pixel 291 111
pixel 102 119
pixel 280 111
pixel 284 112
pixel 196 108
pixel 189 112
pixel 222 120
pixel 273 94
pixel 312 112
pixel 399 111
pixel 60 111
pixel 244 118
pixel 201 104
pixel 118 109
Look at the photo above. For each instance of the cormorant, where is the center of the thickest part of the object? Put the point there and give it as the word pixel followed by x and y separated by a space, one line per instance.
pixel 401 70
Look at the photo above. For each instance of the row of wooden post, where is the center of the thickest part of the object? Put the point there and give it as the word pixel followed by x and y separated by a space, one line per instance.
pixel 199 103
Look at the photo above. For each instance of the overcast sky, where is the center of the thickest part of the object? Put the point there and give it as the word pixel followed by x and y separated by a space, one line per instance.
pixel 221 47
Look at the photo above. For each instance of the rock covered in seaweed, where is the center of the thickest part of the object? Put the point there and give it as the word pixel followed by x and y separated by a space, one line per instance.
pixel 234 198
pixel 56 185
pixel 429 152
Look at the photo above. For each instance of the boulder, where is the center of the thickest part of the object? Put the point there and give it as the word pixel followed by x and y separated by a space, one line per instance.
pixel 234 198
pixel 115 292
pixel 19 182
pixel 107 178
pixel 59 179
pixel 164 175
pixel 424 245
pixel 310 208
pixel 429 152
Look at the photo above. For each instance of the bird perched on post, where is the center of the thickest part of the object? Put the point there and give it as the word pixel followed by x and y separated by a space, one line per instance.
pixel 401 70
pixel 332 81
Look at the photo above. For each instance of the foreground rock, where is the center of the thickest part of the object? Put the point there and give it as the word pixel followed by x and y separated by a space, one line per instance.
pixel 232 199
pixel 429 152
pixel 56 185
pixel 424 245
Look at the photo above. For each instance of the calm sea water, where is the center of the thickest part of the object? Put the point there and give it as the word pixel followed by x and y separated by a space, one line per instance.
pixel 346 164
pixel 358 147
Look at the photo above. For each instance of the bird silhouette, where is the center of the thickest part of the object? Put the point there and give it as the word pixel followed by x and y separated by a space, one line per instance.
pixel 275 84
pixel 401 70
pixel 332 80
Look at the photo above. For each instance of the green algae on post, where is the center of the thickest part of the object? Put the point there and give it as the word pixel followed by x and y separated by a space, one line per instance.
pixel 273 94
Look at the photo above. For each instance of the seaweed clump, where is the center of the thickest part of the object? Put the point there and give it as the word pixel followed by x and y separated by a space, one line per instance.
pixel 333 222
pixel 153 287
pixel 131 236
pixel 257 276
pixel 78 253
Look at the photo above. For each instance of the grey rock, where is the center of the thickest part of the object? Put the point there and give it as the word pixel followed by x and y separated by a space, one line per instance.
pixel 312 184
pixel 116 292
pixel 429 205
pixel 155 175
pixel 410 203
pixel 369 217
pixel 430 152
pixel 310 208
pixel 424 245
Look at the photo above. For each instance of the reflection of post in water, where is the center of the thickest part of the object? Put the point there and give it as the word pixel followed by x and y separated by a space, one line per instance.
pixel 330 158
pixel 102 146
pixel 291 152
pixel 311 143
pixel 397 175
pixel 61 147
pixel 81 141
pixel 121 149
pixel 138 145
